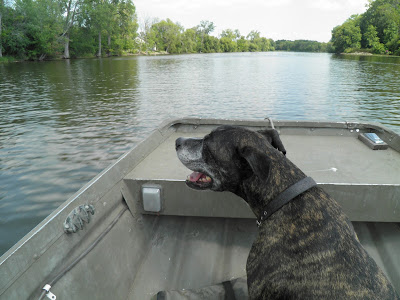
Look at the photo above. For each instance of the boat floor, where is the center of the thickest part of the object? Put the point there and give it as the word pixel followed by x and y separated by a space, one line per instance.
pixel 174 253
pixel 190 253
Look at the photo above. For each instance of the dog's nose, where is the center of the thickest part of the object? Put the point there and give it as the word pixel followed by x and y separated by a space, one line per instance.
pixel 178 143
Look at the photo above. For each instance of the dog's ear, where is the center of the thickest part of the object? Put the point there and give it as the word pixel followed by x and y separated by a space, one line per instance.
pixel 258 161
pixel 273 138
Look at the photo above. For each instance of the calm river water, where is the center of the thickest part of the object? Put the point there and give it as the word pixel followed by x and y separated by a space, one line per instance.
pixel 62 122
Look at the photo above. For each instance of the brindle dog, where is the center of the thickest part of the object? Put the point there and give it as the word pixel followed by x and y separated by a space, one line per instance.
pixel 305 250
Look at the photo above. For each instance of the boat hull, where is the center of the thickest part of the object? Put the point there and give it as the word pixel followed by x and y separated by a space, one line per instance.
pixel 198 238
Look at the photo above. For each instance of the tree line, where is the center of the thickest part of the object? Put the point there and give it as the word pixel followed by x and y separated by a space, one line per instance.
pixel 40 29
pixel 303 46
pixel 45 29
pixel 376 31
pixel 171 37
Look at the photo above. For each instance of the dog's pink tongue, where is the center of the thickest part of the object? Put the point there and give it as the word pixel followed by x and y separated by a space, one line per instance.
pixel 195 176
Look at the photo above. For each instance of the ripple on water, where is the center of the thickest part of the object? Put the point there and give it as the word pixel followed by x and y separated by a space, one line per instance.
pixel 62 122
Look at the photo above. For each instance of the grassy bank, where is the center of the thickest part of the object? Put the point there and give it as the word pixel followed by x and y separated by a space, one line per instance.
pixel 367 52
pixel 7 59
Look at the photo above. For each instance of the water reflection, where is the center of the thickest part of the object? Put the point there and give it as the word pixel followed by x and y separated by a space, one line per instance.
pixel 62 122
pixel 373 83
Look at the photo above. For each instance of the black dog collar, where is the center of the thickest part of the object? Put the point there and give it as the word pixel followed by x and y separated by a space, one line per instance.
pixel 285 197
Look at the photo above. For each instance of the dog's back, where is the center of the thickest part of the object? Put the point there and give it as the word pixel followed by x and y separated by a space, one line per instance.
pixel 313 254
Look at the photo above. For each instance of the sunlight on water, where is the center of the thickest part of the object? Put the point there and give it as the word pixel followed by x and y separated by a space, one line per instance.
pixel 62 122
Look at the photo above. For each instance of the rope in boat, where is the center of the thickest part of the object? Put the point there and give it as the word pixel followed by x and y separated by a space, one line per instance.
pixel 47 287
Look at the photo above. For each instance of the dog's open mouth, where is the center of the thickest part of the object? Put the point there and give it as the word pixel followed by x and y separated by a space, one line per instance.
pixel 199 180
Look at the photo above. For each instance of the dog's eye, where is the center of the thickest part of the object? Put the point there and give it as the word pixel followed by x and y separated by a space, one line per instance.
pixel 207 153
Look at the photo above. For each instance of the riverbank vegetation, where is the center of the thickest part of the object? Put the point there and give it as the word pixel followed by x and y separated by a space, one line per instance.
pixel 42 29
pixel 48 29
pixel 303 46
pixel 173 38
pixel 375 31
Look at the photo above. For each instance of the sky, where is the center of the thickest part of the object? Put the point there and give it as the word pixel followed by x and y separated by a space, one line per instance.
pixel 276 19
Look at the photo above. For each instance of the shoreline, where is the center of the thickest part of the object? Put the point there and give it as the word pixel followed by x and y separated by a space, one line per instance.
pixel 7 60
pixel 361 54
pixel 10 59
pixel 369 54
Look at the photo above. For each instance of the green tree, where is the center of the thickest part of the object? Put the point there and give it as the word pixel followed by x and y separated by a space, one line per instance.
pixel 391 36
pixel 14 40
pixel 83 41
pixel 36 29
pixel 253 35
pixel 266 44
pixel 228 40
pixel 283 45
pixel 5 12
pixel 255 40
pixel 204 29
pixel 168 36
pixel 125 26
pixel 258 43
pixel 227 45
pixel 98 16
pixel 372 40
pixel 379 25
pixel 1 26
pixel 211 44
pixel 347 35
pixel 188 41
pixel 233 35
pixel 70 9
pixel 40 22
pixel 242 44
pixel 382 14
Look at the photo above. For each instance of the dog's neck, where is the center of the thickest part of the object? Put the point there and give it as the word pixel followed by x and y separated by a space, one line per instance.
pixel 258 192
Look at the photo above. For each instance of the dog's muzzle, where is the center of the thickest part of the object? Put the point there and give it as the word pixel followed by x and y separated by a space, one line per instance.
pixel 189 151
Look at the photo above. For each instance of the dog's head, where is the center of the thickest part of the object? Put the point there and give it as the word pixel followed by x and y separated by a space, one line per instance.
pixel 228 156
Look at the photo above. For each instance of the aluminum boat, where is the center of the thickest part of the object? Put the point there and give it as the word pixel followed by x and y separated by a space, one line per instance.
pixel 137 229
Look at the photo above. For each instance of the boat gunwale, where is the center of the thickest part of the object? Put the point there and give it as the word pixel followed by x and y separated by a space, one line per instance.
pixel 136 154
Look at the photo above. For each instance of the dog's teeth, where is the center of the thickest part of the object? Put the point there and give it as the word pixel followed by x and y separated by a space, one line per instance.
pixel 208 178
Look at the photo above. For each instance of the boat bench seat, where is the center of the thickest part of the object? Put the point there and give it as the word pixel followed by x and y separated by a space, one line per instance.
pixel 356 176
